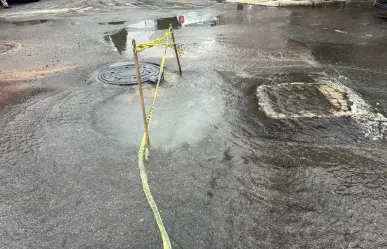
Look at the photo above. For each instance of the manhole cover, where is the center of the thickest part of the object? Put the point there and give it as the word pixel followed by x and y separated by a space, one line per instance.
pixel 127 74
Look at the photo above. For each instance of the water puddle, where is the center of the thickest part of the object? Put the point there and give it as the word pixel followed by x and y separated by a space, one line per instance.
pixel 298 100
pixel 191 19
pixel 364 54
pixel 118 39
pixel 184 115
pixel 324 99
pixel 148 30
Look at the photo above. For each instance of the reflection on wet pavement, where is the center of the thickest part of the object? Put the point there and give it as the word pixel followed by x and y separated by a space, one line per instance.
pixel 120 38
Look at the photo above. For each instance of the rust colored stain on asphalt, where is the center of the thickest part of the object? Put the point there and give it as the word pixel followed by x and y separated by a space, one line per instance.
pixel 7 98
pixel 13 93
pixel 16 86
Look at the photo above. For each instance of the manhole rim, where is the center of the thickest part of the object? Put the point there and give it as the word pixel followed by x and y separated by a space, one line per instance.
pixel 96 75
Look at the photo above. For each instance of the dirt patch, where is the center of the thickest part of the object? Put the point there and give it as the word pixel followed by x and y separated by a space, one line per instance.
pixel 12 93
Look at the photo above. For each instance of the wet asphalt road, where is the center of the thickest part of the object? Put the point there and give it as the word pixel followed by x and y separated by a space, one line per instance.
pixel 232 166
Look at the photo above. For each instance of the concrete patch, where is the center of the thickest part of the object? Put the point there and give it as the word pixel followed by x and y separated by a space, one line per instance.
pixel 302 100
pixel 324 99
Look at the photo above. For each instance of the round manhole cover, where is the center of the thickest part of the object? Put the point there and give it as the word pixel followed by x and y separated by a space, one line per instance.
pixel 127 74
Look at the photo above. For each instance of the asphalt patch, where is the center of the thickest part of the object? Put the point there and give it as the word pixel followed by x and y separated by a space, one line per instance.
pixel 298 100
pixel 192 19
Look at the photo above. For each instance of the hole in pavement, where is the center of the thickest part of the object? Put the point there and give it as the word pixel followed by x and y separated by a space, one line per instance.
pixel 301 110
pixel 302 100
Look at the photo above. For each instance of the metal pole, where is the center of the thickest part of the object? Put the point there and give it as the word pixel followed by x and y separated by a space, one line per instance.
pixel 174 44
pixel 141 92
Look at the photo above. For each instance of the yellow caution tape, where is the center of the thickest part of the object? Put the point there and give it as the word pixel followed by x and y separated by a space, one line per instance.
pixel 143 154
pixel 157 42
pixel 151 45
pixel 157 87
pixel 144 151
pixel 178 50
